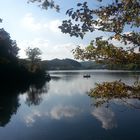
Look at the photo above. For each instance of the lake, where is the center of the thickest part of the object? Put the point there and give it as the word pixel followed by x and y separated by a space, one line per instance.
pixel 62 110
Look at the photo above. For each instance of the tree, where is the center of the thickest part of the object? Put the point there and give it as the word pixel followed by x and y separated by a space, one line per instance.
pixel 34 57
pixel 104 52
pixel 8 47
pixel 45 4
pixel 107 91
pixel 33 54
pixel 113 18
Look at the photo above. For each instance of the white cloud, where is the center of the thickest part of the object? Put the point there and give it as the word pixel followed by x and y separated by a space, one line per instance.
pixel 49 51
pixel 60 112
pixel 31 118
pixel 46 38
pixel 70 86
pixel 29 22
pixel 105 116
pixel 53 26
pixel 40 43
pixel 61 51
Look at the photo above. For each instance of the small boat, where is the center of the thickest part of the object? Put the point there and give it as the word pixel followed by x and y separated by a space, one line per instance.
pixel 86 76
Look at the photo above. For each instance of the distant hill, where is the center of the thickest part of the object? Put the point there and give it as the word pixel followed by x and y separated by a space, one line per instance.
pixel 58 64
pixel 69 64
pixel 92 65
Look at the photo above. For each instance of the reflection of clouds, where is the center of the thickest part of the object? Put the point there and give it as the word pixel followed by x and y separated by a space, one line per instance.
pixel 31 118
pixel 59 112
pixel 106 116
pixel 72 87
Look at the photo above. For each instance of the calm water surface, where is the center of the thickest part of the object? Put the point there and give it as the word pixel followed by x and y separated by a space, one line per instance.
pixel 62 110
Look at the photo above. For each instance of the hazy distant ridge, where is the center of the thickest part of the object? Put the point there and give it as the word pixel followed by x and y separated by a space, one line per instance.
pixel 69 64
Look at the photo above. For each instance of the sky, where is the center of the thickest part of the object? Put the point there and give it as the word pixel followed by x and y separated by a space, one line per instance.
pixel 32 27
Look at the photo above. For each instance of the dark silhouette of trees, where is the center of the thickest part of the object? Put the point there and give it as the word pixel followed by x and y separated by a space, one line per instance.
pixel 120 18
pixel 34 58
pixel 9 97
pixel 33 54
pixel 8 47
pixel 8 106
pixel 11 67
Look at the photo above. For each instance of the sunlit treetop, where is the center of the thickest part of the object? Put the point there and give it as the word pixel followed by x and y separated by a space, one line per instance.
pixel 104 52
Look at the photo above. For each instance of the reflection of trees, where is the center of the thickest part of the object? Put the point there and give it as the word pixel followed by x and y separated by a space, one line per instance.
pixel 108 94
pixel 8 107
pixel 9 93
pixel 34 94
pixel 107 91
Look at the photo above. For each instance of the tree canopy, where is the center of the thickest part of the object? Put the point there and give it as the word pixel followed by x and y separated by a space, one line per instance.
pixel 45 4
pixel 111 18
pixel 8 47
pixel 120 17
pixel 106 91
pixel 34 57
pixel 33 54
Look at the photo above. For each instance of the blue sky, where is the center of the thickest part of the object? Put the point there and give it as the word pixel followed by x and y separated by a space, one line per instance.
pixel 31 26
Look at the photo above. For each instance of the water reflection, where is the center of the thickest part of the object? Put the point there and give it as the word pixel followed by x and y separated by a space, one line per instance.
pixel 127 103
pixel 9 98
pixel 67 113
pixel 34 94
pixel 77 85
pixel 31 118
pixel 8 106
pixel 106 116
pixel 106 112
pixel 58 112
